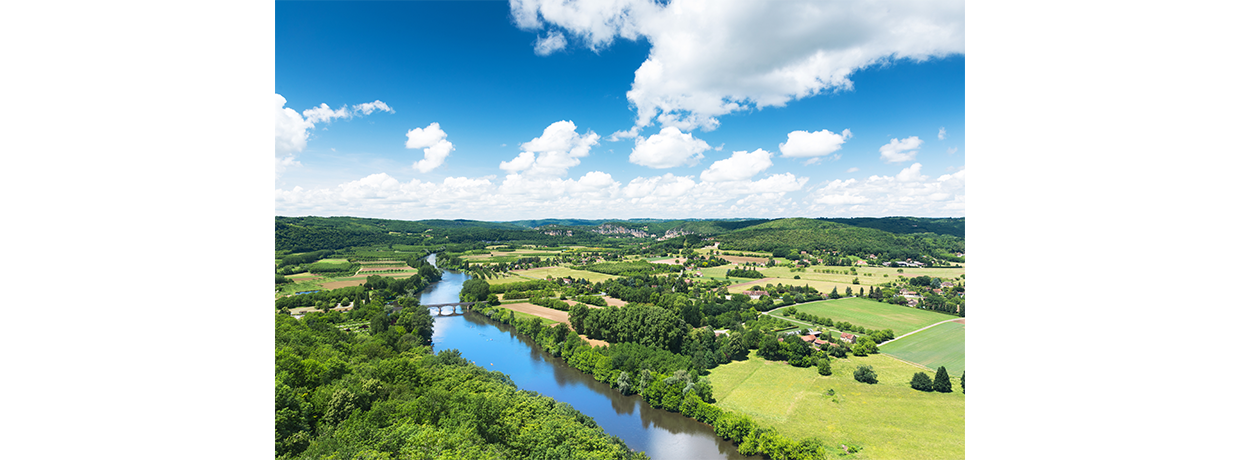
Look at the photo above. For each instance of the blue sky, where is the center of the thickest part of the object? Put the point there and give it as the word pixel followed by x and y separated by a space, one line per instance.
pixel 542 110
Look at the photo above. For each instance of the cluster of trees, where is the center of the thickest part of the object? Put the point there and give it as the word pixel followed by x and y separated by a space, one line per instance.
pixel 343 295
pixel 942 382
pixel 345 395
pixel 636 323
pixel 744 273
pixel 630 268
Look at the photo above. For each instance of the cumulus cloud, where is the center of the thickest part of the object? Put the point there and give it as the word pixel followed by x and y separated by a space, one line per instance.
pixel 323 113
pixel 818 143
pixel 291 136
pixel 906 193
pixel 550 44
pixel 900 150
pixel 741 166
pixel 434 144
pixel 560 147
pixel 942 133
pixel 594 195
pixel 669 148
pixel 368 107
pixel 292 130
pixel 709 59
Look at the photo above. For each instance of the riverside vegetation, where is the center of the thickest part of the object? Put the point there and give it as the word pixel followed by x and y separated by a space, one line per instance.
pixel 354 378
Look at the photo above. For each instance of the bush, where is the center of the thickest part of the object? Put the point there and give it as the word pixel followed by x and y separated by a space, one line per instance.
pixel 921 382
pixel 865 374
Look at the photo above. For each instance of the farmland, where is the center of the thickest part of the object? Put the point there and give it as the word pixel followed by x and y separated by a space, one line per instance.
pixel 890 419
pixel 872 314
pixel 941 345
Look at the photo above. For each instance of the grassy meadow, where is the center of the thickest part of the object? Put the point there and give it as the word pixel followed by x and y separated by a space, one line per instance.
pixel 889 420
pixel 871 314
pixel 941 345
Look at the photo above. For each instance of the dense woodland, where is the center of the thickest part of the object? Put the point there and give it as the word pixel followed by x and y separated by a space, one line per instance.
pixel 889 238
pixel 382 394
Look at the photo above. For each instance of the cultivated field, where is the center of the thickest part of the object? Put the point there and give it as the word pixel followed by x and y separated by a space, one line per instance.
pixel 871 314
pixel 941 345
pixel 889 420
pixel 539 311
pixel 559 272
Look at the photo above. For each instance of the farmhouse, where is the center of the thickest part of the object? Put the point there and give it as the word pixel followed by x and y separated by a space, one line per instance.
pixel 848 337
pixel 755 294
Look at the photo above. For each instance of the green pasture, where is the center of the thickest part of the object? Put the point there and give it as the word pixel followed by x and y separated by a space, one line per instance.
pixel 871 314
pixel 941 345
pixel 888 420
pixel 290 288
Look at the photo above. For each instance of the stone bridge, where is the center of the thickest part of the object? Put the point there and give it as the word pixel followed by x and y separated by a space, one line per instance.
pixel 452 308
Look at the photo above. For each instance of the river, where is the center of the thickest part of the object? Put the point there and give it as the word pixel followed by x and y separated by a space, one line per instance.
pixel 495 346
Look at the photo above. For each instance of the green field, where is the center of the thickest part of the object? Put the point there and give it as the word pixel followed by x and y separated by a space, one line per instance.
pixel 872 314
pixel 554 272
pixel 889 420
pixel 941 345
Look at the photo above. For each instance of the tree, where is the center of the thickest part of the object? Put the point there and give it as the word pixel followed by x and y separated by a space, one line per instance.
pixel 961 382
pixel 835 293
pixel 942 382
pixel 921 382
pixel 475 290
pixel 824 366
pixel 865 346
pixel 417 320
pixel 865 374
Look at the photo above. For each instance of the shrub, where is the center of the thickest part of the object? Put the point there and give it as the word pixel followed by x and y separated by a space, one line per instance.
pixel 921 382
pixel 865 374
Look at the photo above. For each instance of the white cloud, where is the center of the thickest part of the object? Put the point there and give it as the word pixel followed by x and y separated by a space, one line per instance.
pixel 951 150
pixel 519 196
pixel 910 173
pixel 712 58
pixel 942 133
pixel 626 134
pixel 669 148
pixel 560 147
pixel 324 114
pixel 812 161
pixel 291 136
pixel 369 107
pixel 900 150
pixel 550 44
pixel 853 170
pixel 907 193
pixel 741 166
pixel 419 138
pixel 818 143
pixel 434 144
pixel 292 131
